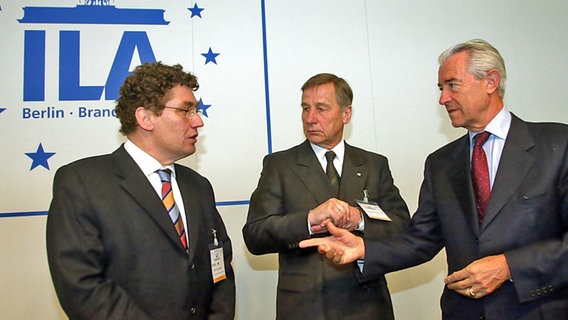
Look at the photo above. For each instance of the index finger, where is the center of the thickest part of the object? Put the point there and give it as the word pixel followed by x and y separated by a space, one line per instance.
pixel 455 277
pixel 314 242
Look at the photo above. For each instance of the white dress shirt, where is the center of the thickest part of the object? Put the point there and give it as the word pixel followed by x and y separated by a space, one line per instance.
pixel 149 166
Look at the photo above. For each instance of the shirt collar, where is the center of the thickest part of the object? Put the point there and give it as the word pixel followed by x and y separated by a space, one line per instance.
pixel 146 162
pixel 498 126
pixel 339 150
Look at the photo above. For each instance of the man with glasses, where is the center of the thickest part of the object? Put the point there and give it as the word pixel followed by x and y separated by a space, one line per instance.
pixel 132 234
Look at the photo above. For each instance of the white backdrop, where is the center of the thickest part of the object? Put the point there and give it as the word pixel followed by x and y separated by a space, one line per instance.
pixel 387 50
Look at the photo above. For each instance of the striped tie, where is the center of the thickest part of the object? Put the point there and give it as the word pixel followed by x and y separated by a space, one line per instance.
pixel 170 204
pixel 331 172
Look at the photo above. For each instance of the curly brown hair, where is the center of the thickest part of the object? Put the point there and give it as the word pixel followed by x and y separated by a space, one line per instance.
pixel 149 86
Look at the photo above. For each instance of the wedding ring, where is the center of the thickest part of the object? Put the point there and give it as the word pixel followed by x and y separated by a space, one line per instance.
pixel 471 293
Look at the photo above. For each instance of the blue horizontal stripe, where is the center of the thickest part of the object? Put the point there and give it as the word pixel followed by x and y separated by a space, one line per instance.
pixel 44 213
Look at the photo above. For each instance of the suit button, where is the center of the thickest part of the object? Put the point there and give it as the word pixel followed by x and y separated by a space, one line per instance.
pixel 532 293
pixel 323 289
pixel 192 266
pixel 192 310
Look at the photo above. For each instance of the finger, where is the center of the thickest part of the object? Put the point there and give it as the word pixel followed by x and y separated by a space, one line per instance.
pixel 330 254
pixel 335 231
pixel 455 277
pixel 337 257
pixel 311 242
pixel 323 224
pixel 459 285
pixel 323 248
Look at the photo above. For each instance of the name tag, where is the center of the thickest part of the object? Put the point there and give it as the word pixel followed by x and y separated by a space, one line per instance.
pixel 217 259
pixel 372 210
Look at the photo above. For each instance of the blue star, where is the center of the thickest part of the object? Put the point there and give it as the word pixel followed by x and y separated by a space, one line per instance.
pixel 40 157
pixel 210 56
pixel 195 11
pixel 2 110
pixel 203 107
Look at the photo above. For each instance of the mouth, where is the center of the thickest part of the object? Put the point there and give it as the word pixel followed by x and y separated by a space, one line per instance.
pixel 193 137
pixel 451 110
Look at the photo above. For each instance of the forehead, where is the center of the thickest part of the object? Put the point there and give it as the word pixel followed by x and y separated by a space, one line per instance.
pixel 182 95
pixel 455 67
pixel 320 91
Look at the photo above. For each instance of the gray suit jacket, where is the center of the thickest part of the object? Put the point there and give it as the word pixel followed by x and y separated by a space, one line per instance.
pixel 309 286
pixel 114 253
pixel 526 219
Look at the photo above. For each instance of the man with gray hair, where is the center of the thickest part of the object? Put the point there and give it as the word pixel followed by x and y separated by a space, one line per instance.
pixel 496 199
pixel 302 188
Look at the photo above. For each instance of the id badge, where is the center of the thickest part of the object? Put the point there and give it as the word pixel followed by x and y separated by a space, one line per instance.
pixel 217 259
pixel 372 210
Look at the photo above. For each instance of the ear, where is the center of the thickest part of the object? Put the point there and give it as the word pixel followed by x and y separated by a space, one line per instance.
pixel 144 118
pixel 347 114
pixel 493 78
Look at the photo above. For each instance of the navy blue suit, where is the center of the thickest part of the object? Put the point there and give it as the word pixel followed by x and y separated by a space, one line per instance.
pixel 526 219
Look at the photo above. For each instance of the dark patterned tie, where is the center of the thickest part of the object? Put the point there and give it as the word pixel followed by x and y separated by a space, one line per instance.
pixel 171 207
pixel 480 174
pixel 331 172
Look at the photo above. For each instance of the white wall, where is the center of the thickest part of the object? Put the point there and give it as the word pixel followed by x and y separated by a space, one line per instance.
pixel 387 50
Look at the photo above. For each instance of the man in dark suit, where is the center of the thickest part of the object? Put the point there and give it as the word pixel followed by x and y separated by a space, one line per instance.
pixel 113 248
pixel 295 198
pixel 507 259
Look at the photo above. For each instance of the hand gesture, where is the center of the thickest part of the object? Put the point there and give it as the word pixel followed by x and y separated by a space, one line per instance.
pixel 333 210
pixel 341 247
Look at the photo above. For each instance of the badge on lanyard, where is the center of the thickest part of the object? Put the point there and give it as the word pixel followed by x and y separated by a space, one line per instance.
pixel 372 209
pixel 217 259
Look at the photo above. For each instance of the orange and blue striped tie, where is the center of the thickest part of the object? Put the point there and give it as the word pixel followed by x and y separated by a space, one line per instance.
pixel 170 204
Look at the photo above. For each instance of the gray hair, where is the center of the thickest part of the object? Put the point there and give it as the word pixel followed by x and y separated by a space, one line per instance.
pixel 343 92
pixel 482 58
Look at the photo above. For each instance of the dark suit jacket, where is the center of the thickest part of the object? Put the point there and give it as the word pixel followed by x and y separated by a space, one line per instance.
pixel 526 219
pixel 309 286
pixel 114 253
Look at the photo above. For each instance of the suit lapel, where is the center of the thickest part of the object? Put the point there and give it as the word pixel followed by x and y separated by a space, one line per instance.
pixel 353 176
pixel 310 172
pixel 516 160
pixel 139 188
pixel 460 178
pixel 192 202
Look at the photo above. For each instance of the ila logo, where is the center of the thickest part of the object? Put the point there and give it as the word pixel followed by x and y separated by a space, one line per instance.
pixel 92 12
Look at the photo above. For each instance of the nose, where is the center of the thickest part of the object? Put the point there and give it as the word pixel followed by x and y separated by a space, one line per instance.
pixel 197 122
pixel 310 115
pixel 445 97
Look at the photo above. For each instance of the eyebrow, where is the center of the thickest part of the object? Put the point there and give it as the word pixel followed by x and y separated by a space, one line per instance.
pixel 449 80
pixel 190 105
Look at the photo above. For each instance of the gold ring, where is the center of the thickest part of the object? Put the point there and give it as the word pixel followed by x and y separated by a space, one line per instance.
pixel 471 293
pixel 338 210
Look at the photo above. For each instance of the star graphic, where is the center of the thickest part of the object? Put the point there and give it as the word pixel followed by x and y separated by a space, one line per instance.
pixel 203 107
pixel 40 157
pixel 2 110
pixel 195 11
pixel 210 56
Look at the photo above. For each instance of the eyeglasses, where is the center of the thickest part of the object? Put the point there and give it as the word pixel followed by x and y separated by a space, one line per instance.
pixel 190 113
